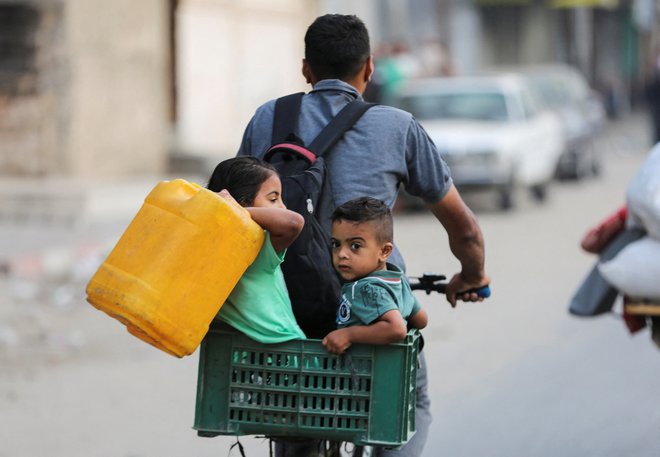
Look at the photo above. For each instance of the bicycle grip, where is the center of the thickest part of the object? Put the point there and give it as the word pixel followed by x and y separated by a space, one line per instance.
pixel 483 291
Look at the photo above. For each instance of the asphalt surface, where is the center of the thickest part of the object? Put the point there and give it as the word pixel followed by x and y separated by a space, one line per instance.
pixel 513 376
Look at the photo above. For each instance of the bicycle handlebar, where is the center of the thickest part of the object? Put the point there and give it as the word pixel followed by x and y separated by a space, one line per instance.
pixel 430 282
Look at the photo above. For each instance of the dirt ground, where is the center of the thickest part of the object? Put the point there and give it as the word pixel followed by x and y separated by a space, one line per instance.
pixel 73 382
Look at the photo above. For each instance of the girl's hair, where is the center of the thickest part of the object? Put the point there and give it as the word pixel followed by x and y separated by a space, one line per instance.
pixel 242 177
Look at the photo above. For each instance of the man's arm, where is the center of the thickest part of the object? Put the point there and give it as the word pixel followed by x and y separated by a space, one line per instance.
pixel 389 328
pixel 466 243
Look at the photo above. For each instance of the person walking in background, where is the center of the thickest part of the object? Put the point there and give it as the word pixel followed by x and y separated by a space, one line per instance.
pixel 436 59
pixel 385 149
pixel 394 65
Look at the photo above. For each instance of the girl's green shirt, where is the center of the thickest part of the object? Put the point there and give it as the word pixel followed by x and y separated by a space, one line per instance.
pixel 259 305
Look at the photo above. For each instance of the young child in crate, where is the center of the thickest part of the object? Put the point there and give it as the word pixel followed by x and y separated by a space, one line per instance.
pixel 377 305
pixel 259 305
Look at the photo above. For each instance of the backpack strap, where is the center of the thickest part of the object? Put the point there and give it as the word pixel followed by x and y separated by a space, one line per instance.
pixel 342 122
pixel 285 120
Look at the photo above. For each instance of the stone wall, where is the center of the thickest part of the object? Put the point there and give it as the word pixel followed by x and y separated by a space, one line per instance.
pixel 231 57
pixel 83 88
pixel 118 52
pixel 33 88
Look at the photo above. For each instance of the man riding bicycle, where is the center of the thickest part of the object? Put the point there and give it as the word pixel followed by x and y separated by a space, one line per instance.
pixel 385 149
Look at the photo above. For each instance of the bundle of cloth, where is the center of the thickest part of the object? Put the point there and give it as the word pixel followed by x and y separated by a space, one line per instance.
pixel 635 270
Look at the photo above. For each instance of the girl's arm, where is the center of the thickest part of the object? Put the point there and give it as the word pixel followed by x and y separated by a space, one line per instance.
pixel 283 225
pixel 389 328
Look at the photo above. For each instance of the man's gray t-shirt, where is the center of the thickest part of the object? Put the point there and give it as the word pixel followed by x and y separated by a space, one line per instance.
pixel 385 148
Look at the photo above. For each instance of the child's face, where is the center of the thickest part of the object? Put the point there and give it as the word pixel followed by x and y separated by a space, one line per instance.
pixel 270 193
pixel 356 251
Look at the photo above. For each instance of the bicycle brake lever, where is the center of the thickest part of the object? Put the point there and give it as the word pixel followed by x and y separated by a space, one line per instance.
pixel 431 278
pixel 428 282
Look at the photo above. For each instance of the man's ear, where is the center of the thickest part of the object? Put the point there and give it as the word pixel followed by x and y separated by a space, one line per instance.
pixel 307 72
pixel 368 69
pixel 385 251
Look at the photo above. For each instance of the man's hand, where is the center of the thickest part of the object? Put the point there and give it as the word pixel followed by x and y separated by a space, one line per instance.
pixel 458 284
pixel 337 341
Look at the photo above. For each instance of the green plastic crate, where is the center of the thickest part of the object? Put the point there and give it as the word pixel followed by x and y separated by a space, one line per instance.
pixel 298 389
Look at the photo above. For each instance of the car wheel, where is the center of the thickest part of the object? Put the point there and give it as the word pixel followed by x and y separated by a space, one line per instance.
pixel 506 191
pixel 575 166
pixel 539 192
pixel 505 196
pixel 596 168
pixel 595 163
pixel 590 165
pixel 505 200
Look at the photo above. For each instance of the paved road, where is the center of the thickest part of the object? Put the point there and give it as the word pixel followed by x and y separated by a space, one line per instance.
pixel 515 376
pixel 519 376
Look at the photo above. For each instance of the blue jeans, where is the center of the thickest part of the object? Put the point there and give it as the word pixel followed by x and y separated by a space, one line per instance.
pixel 413 448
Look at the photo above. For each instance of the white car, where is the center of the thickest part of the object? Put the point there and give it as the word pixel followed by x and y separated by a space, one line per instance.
pixel 490 130
pixel 566 91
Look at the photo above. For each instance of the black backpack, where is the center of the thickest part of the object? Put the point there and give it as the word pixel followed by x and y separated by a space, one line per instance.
pixel 312 282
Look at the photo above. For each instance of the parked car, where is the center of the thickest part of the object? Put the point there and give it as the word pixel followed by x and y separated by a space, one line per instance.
pixel 490 130
pixel 566 91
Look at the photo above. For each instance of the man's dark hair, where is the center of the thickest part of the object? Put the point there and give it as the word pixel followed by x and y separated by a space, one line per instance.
pixel 367 209
pixel 242 177
pixel 336 46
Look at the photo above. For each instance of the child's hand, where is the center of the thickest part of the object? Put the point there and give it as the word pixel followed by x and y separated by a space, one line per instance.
pixel 224 193
pixel 337 341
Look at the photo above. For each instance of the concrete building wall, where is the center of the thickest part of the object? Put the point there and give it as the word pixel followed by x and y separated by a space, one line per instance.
pixel 370 11
pixel 521 34
pixel 466 37
pixel 93 93
pixel 105 98
pixel 88 96
pixel 33 83
pixel 231 57
pixel 538 39
pixel 118 98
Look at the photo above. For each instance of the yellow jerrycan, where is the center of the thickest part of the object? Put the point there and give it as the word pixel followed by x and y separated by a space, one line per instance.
pixel 175 265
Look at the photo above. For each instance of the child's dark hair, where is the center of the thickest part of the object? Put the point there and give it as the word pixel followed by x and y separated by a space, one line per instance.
pixel 242 177
pixel 336 46
pixel 367 209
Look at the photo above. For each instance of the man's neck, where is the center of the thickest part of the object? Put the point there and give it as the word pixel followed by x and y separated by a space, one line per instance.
pixel 359 84
pixel 359 80
pixel 351 82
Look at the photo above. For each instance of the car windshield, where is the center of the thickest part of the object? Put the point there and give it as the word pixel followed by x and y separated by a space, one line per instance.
pixel 552 91
pixel 558 90
pixel 482 106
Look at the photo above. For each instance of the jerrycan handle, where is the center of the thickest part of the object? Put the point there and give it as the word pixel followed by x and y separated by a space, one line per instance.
pixel 173 196
pixel 194 202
